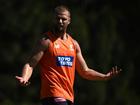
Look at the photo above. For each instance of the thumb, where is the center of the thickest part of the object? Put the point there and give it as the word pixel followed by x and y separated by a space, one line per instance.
pixel 18 77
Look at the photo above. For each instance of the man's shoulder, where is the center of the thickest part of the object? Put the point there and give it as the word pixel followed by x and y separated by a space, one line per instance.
pixel 46 35
pixel 44 40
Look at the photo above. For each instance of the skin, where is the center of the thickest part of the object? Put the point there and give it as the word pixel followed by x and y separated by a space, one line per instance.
pixel 62 20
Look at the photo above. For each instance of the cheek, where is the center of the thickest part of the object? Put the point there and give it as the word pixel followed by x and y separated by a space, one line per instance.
pixel 66 22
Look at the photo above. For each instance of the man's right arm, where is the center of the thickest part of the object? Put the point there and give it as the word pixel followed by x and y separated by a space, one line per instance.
pixel 37 54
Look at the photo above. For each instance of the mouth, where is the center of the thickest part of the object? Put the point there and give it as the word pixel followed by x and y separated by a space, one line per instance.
pixel 61 25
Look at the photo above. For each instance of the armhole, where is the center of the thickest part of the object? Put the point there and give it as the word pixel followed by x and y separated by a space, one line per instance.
pixel 48 35
pixel 45 41
pixel 74 43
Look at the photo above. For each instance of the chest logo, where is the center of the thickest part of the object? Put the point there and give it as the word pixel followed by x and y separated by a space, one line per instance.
pixel 64 61
pixel 56 45
pixel 71 47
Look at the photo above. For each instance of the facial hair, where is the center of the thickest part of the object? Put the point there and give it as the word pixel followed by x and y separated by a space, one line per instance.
pixel 59 29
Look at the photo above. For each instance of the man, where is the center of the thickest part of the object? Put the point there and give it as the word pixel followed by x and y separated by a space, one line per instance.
pixel 58 55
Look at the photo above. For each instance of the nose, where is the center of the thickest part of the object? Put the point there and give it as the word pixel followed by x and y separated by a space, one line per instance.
pixel 60 21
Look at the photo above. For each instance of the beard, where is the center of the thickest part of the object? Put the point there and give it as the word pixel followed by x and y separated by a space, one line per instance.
pixel 60 29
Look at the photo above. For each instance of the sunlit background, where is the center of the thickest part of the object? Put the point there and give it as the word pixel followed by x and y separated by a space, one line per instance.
pixel 107 32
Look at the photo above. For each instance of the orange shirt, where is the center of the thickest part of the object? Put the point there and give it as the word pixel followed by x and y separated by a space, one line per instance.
pixel 58 68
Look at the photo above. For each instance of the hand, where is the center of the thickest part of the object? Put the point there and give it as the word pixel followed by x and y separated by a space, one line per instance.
pixel 114 72
pixel 22 81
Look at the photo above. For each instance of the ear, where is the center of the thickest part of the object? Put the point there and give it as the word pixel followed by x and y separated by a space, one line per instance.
pixel 69 21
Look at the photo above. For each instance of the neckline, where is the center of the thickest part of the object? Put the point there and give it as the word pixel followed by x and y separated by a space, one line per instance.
pixel 64 40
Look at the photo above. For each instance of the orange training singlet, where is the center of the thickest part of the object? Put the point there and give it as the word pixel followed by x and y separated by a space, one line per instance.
pixel 58 69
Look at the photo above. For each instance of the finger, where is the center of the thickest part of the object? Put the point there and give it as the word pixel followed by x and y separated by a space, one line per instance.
pixel 18 77
pixel 114 70
pixel 26 84
pixel 116 67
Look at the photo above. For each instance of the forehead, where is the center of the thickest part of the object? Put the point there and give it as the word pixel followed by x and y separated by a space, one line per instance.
pixel 62 13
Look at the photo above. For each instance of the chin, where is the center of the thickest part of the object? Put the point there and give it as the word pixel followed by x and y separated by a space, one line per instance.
pixel 60 30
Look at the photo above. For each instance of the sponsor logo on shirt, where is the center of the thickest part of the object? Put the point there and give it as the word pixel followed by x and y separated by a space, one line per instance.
pixel 71 47
pixel 64 61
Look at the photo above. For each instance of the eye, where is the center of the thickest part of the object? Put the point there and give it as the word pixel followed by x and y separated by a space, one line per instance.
pixel 63 19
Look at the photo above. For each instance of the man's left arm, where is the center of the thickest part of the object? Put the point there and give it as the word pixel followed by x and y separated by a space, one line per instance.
pixel 88 73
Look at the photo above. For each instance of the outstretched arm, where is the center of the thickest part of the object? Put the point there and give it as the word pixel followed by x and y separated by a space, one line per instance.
pixel 88 73
pixel 33 61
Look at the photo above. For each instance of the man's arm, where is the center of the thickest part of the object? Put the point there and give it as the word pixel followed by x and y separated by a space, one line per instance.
pixel 88 73
pixel 37 54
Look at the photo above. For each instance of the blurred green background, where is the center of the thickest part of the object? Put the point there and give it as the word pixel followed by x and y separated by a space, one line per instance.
pixel 107 32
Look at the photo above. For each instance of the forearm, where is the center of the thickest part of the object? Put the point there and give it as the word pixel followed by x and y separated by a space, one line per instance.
pixel 91 74
pixel 27 72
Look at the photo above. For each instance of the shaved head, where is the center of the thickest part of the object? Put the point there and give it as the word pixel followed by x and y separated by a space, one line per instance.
pixel 61 8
